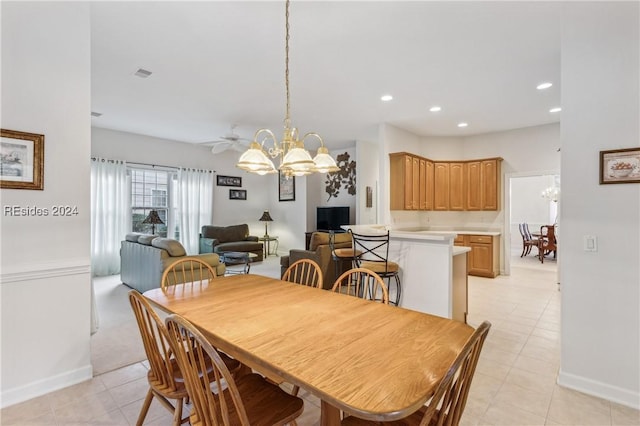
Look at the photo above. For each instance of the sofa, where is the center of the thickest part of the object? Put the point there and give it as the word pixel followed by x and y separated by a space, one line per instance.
pixel 143 259
pixel 219 239
pixel 320 252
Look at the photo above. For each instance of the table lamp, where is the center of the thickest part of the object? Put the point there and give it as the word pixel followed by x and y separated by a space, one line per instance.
pixel 154 220
pixel 266 217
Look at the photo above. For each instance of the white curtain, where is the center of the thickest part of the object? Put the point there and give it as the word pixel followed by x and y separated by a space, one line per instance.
pixel 110 214
pixel 195 205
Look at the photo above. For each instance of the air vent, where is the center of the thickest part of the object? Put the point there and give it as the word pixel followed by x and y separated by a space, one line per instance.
pixel 142 73
pixel 96 114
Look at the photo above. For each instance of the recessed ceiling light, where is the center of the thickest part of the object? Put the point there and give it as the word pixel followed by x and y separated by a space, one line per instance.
pixel 463 124
pixel 544 85
pixel 556 109
pixel 435 108
pixel 96 114
pixel 142 73
pixel 386 98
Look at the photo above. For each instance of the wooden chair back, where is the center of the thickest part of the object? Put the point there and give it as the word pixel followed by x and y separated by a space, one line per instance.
pixel 187 271
pixel 364 283
pixel 305 272
pixel 162 371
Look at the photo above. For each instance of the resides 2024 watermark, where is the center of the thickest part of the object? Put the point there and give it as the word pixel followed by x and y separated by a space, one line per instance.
pixel 34 211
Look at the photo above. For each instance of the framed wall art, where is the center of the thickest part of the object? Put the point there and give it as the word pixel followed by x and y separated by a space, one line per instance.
pixel 286 187
pixel 21 160
pixel 229 181
pixel 237 194
pixel 620 166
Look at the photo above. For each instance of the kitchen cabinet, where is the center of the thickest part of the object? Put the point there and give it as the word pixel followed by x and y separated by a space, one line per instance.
pixel 457 186
pixel 484 258
pixel 402 182
pixel 483 184
pixel 441 186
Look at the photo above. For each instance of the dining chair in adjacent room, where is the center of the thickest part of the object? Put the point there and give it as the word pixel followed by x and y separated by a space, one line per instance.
pixel 305 272
pixel 374 255
pixel 527 240
pixel 188 271
pixel 363 283
pixel 222 399
pixel 548 242
pixel 164 376
pixel 450 397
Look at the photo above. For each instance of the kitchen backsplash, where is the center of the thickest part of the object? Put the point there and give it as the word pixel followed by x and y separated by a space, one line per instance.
pixel 436 220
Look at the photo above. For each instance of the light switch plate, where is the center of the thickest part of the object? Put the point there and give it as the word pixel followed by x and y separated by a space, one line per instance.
pixel 590 243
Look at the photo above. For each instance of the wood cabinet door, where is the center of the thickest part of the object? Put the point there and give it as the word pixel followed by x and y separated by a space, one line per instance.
pixel 415 185
pixel 422 179
pixel 429 185
pixel 397 179
pixel 474 185
pixel 481 259
pixel 408 182
pixel 456 186
pixel 441 186
pixel 490 189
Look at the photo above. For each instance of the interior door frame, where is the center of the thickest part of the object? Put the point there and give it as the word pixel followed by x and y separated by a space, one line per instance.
pixel 506 240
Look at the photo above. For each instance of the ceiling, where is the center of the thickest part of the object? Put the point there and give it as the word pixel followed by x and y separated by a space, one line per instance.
pixel 218 63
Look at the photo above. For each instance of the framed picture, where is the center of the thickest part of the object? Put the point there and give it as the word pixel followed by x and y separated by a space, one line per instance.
pixel 286 187
pixel 237 194
pixel 21 160
pixel 229 181
pixel 620 166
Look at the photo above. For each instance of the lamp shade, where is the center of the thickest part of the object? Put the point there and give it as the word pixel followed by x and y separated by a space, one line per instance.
pixel 266 217
pixel 153 218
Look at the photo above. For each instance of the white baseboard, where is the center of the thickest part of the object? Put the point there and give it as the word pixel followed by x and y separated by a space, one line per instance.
pixel 42 387
pixel 601 390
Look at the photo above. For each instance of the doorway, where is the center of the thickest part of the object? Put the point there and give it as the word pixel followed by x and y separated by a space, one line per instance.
pixel 529 197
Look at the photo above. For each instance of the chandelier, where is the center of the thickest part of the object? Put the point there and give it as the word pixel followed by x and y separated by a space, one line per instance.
pixel 552 193
pixel 295 160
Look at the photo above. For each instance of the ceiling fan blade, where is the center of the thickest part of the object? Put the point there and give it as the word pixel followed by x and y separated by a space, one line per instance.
pixel 240 146
pixel 219 147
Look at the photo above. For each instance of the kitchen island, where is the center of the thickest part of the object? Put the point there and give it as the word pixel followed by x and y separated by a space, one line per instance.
pixel 433 271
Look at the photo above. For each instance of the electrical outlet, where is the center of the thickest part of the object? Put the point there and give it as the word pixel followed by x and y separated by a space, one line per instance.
pixel 590 243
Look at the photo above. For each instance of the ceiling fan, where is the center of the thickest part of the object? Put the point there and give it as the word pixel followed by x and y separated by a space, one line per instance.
pixel 229 141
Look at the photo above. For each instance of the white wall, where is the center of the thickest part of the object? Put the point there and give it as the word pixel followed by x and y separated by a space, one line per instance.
pixel 600 349
pixel 261 190
pixel 45 261
pixel 368 156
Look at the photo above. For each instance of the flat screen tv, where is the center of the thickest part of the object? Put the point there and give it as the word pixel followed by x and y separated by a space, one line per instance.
pixel 331 218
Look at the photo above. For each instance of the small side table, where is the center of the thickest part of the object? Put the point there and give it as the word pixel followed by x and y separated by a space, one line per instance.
pixel 267 240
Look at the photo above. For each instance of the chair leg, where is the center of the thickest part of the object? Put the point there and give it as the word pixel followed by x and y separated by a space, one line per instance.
pixel 177 414
pixel 295 390
pixel 145 408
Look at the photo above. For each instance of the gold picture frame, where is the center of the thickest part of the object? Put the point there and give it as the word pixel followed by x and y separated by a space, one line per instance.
pixel 21 160
pixel 620 166
pixel 286 187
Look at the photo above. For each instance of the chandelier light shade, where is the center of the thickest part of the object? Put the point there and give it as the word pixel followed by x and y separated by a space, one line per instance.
pixel 153 219
pixel 266 217
pixel 552 194
pixel 295 160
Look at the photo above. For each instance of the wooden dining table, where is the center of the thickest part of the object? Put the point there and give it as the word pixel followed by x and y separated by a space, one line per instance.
pixel 375 361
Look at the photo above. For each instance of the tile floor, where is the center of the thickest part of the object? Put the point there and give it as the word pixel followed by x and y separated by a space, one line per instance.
pixel 514 383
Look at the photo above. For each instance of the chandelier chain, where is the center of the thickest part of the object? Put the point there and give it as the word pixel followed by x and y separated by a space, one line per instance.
pixel 287 118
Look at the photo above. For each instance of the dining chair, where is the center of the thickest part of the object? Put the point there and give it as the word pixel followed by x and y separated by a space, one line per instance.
pixel 527 240
pixel 374 255
pixel 548 242
pixel 450 397
pixel 221 398
pixel 187 271
pixel 363 283
pixel 305 272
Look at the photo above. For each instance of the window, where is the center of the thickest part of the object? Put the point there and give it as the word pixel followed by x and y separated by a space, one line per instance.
pixel 151 189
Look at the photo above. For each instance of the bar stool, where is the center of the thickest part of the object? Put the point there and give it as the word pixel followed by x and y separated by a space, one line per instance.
pixel 373 254
pixel 340 252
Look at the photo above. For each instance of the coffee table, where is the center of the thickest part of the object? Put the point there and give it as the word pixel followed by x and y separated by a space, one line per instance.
pixel 235 258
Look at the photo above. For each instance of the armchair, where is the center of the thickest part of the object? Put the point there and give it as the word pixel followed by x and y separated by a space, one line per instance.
pixel 320 252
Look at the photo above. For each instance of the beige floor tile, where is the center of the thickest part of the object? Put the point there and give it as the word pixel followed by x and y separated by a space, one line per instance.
pixel 43 420
pixel 124 375
pixel 534 402
pixel 495 354
pixel 130 392
pixel 112 418
pixel 19 413
pixel 571 407
pixel 86 408
pixel 491 368
pixel 622 415
pixel 75 392
pixel 508 415
pixel 310 416
pixel 483 389
pixel 157 412
pixel 548 334
pixel 536 365
pixel 533 381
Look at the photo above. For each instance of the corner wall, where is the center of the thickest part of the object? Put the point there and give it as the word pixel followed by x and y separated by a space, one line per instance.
pixel 45 277
pixel 600 290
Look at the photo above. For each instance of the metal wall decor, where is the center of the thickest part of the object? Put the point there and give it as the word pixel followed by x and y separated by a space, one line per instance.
pixel 345 176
